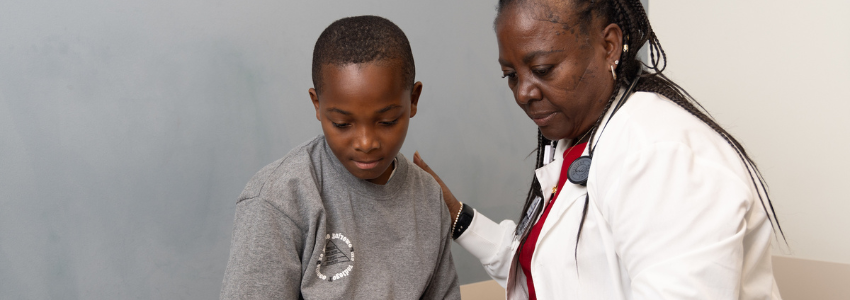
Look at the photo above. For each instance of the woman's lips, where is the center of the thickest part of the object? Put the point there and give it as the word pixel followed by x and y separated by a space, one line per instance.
pixel 542 119
pixel 367 165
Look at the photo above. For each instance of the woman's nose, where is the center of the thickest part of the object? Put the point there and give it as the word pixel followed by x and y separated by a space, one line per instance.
pixel 366 140
pixel 526 91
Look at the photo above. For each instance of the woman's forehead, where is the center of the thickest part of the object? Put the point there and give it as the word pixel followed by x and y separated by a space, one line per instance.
pixel 537 18
pixel 557 12
pixel 531 31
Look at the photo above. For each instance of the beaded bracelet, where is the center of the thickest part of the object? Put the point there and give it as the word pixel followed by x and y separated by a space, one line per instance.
pixel 462 221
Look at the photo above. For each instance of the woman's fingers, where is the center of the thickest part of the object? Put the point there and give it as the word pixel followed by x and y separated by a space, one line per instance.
pixel 421 163
pixel 448 197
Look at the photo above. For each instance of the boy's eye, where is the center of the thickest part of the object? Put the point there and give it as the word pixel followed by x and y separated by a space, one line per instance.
pixel 340 125
pixel 388 123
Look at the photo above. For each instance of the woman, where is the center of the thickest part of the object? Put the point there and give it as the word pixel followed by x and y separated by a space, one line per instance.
pixel 645 197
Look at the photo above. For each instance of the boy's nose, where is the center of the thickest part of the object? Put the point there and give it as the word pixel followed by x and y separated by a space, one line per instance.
pixel 366 141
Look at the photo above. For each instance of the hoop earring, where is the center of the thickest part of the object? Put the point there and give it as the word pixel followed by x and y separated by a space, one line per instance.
pixel 613 73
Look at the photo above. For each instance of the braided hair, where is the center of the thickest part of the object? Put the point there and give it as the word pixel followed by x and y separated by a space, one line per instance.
pixel 632 19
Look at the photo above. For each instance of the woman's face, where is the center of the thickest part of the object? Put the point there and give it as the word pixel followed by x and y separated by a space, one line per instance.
pixel 559 74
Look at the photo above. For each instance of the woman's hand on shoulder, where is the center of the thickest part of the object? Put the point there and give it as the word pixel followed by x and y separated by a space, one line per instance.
pixel 448 197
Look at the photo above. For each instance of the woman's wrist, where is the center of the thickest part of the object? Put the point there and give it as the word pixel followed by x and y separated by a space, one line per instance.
pixel 454 209
pixel 462 220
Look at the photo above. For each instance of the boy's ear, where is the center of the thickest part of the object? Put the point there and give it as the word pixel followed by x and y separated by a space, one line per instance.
pixel 315 97
pixel 414 97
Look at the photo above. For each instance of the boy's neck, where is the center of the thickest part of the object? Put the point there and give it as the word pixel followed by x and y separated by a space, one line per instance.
pixel 385 177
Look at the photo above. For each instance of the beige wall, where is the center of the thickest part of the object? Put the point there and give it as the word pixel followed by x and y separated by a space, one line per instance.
pixel 802 279
pixel 774 73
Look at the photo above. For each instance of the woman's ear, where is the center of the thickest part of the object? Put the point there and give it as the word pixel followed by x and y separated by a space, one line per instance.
pixel 612 37
pixel 415 92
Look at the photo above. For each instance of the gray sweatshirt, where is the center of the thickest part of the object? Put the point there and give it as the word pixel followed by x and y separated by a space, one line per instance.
pixel 306 228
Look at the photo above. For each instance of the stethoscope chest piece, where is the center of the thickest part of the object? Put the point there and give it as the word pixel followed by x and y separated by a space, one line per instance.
pixel 579 170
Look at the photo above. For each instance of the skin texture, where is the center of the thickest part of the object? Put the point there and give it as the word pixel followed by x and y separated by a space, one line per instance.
pixel 559 72
pixel 365 110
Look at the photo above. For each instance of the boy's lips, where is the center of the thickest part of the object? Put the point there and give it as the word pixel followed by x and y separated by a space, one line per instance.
pixel 367 164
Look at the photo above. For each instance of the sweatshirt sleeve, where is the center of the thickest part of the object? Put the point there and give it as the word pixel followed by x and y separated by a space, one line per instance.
pixel 264 261
pixel 492 244
pixel 678 224
pixel 444 283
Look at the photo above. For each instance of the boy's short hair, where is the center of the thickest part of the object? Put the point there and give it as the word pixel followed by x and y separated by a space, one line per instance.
pixel 362 39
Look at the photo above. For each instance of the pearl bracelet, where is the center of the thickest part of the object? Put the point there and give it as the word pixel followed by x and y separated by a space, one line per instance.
pixel 457 217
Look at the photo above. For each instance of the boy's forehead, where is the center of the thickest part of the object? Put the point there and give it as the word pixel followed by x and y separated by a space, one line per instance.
pixel 372 83
pixel 377 71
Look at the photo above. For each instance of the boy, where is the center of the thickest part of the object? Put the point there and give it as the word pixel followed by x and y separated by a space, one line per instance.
pixel 301 218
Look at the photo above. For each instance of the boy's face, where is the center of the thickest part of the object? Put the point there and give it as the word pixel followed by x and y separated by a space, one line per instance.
pixel 365 110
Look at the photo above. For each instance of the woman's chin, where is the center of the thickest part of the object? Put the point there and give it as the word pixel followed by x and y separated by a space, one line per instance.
pixel 552 133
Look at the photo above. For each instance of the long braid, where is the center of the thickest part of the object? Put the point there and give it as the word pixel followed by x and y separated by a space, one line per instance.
pixel 534 191
pixel 658 85
pixel 632 19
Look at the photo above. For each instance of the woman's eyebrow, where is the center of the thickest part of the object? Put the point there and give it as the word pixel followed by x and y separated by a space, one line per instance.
pixel 531 55
pixel 504 63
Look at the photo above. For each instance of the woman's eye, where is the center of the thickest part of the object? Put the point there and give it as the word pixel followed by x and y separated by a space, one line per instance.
pixel 541 71
pixel 340 125
pixel 389 123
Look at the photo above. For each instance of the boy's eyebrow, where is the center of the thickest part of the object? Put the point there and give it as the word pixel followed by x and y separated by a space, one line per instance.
pixel 337 110
pixel 388 108
pixel 382 110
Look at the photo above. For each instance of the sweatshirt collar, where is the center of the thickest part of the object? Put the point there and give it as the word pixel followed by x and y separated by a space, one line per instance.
pixel 365 188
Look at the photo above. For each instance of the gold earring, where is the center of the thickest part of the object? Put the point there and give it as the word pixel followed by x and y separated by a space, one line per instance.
pixel 613 73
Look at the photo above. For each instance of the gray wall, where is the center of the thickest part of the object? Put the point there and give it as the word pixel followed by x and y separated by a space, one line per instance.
pixel 128 128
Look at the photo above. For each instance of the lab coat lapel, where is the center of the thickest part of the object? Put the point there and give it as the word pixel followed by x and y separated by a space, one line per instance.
pixel 547 176
pixel 569 194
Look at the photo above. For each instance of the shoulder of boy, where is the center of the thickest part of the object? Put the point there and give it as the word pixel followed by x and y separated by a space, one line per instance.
pixel 288 182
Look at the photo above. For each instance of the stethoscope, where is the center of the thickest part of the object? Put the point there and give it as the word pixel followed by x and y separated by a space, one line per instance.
pixel 579 169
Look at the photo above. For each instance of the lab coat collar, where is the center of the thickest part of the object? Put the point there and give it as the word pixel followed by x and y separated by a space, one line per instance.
pixel 550 172
pixel 548 175
pixel 608 113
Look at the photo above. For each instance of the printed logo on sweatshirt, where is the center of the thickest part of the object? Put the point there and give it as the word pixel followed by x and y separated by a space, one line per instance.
pixel 337 259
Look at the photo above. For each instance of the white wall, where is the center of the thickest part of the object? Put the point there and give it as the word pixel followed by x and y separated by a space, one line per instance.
pixel 775 74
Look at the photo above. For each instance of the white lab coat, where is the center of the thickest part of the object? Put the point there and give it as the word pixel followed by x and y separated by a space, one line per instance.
pixel 673 214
